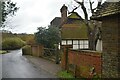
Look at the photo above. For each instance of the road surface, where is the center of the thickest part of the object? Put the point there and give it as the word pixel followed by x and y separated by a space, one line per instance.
pixel 0 67
pixel 14 65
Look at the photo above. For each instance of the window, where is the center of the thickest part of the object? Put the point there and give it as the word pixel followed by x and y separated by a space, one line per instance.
pixel 75 46
pixel 86 44
pixel 69 42
pixel 63 42
pixel 83 44
pixel 85 41
pixel 75 42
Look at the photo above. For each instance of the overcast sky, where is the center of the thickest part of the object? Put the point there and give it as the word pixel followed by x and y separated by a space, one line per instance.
pixel 36 13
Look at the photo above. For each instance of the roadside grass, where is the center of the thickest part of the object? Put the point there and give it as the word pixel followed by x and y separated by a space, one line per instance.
pixel 2 52
pixel 64 74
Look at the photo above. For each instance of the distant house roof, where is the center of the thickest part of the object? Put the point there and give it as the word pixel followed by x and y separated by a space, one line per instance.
pixel 74 15
pixel 106 9
pixel 73 18
pixel 56 21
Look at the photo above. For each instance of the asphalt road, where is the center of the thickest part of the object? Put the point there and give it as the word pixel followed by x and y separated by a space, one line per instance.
pixel 14 65
pixel 0 67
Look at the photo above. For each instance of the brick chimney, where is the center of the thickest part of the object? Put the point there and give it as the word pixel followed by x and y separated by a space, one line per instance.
pixel 63 11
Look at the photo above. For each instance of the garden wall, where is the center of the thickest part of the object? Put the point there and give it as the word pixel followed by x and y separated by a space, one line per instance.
pixel 82 63
pixel 34 50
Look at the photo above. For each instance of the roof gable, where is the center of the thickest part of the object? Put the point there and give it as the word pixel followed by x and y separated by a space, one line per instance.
pixel 75 15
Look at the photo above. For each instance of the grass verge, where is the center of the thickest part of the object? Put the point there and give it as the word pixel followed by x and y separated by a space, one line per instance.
pixel 2 52
pixel 64 74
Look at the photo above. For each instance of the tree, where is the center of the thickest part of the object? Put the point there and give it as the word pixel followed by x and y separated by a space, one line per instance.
pixel 48 37
pixel 93 34
pixel 8 8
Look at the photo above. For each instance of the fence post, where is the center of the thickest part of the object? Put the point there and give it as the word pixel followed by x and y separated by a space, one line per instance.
pixel 66 63
pixel 56 53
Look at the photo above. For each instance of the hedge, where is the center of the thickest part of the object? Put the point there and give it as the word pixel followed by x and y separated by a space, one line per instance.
pixel 12 43
pixel 26 50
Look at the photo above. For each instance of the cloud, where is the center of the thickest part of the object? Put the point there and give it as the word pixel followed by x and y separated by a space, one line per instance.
pixel 36 13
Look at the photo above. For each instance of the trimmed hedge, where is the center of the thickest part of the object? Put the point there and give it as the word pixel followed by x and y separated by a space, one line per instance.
pixel 26 50
pixel 12 43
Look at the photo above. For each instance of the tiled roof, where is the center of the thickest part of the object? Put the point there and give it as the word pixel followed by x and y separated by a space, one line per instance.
pixel 75 28
pixel 73 18
pixel 74 31
pixel 56 21
pixel 108 8
pixel 75 15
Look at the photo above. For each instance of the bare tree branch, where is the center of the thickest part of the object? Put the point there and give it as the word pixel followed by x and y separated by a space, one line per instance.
pixel 83 8
pixel 99 3
pixel 91 7
pixel 93 34
pixel 76 7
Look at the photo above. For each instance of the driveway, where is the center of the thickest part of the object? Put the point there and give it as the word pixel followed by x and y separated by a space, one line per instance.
pixel 14 65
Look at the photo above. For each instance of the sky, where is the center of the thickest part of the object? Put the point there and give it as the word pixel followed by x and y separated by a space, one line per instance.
pixel 37 13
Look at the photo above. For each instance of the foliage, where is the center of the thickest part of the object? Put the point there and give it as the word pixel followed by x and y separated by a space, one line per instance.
pixel 48 37
pixel 28 38
pixel 64 74
pixel 26 50
pixel 2 52
pixel 12 43
pixel 7 8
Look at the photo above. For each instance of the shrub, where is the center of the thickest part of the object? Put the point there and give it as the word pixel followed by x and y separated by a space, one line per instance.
pixel 2 52
pixel 26 50
pixel 12 43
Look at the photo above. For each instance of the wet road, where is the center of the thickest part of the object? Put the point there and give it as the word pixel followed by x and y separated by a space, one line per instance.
pixel 0 67
pixel 14 65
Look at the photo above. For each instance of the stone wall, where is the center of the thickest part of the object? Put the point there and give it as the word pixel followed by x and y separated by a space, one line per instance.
pixel 111 47
pixel 119 45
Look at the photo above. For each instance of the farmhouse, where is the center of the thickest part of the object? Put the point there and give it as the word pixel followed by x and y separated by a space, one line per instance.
pixel 73 30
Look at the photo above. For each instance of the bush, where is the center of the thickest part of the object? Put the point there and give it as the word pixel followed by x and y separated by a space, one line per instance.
pixel 2 52
pixel 12 43
pixel 26 50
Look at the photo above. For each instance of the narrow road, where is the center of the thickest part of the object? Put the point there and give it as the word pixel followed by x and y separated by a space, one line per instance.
pixel 14 65
pixel 0 67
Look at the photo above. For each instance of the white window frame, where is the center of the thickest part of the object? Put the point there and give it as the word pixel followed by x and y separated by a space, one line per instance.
pixel 69 42
pixel 83 44
pixel 64 42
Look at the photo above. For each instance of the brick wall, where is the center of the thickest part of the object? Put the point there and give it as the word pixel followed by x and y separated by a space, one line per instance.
pixel 82 63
